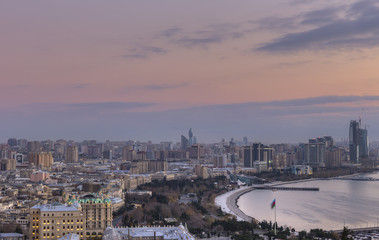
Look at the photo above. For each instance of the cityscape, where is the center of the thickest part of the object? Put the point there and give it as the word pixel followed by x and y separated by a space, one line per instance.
pixel 184 120
pixel 60 189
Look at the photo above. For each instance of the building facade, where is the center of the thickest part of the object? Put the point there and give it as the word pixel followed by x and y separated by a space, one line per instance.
pixel 52 221
pixel 42 160
pixel 98 214
pixel 72 154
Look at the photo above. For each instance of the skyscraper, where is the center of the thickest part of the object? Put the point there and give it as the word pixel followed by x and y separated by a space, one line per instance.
pixel 190 137
pixel 184 143
pixel 258 155
pixel 315 152
pixel 72 155
pixel 363 145
pixel 358 141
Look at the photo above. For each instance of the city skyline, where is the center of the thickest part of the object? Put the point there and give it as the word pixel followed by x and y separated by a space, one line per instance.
pixel 274 71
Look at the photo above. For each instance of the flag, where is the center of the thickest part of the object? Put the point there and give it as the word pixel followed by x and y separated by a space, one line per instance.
pixel 273 204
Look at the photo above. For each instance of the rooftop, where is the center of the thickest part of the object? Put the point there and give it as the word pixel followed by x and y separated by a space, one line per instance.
pixel 168 233
pixel 11 235
pixel 55 207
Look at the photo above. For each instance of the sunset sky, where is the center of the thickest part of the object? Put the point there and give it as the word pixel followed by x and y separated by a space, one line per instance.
pixel 273 70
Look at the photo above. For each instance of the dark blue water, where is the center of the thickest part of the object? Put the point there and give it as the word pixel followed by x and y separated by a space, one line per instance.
pixel 339 202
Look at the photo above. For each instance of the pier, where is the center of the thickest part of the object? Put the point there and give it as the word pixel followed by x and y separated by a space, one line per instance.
pixel 287 188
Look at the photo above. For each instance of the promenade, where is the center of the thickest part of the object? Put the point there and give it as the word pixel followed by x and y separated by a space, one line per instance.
pixel 228 201
pixel 231 203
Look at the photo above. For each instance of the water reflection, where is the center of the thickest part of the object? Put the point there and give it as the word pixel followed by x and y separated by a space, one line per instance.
pixel 355 203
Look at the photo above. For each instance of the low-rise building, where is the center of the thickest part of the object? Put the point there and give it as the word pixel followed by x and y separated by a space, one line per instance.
pixel 52 221
pixel 148 233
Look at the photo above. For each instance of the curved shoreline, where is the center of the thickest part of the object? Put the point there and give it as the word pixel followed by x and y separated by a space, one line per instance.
pixel 232 199
pixel 231 203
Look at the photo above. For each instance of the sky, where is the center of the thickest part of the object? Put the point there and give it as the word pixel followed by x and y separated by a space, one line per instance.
pixel 274 70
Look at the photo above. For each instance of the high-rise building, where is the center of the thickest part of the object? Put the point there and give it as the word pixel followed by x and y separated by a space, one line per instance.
pixel 184 143
pixel 7 164
pixel 12 142
pixel 197 151
pixel 354 140
pixel 259 156
pixel 219 160
pixel 34 146
pixel 42 160
pixel 72 154
pixel 358 141
pixel 190 136
pixel 363 144
pixel 315 152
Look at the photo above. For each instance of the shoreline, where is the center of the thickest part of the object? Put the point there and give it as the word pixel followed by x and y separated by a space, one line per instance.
pixel 228 201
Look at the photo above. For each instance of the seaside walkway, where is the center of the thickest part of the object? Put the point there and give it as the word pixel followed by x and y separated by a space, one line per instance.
pixel 231 203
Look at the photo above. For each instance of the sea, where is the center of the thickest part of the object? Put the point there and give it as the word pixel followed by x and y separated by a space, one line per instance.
pixel 338 203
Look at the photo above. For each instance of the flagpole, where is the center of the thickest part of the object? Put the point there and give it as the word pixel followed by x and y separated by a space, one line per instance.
pixel 275 220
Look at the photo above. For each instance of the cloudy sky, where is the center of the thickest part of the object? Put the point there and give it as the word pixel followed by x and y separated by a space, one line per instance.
pixel 273 70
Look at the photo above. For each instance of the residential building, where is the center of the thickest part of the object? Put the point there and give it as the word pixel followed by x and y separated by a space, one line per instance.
pixel 315 152
pixel 72 154
pixel 42 160
pixel 7 164
pixel 258 156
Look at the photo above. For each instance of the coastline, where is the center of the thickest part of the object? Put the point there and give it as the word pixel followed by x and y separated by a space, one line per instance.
pixel 228 201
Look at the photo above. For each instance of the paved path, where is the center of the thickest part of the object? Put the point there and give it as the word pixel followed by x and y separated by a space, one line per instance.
pixel 231 203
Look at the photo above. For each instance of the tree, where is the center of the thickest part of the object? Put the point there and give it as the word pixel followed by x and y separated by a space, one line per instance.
pixel 346 234
pixel 18 229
